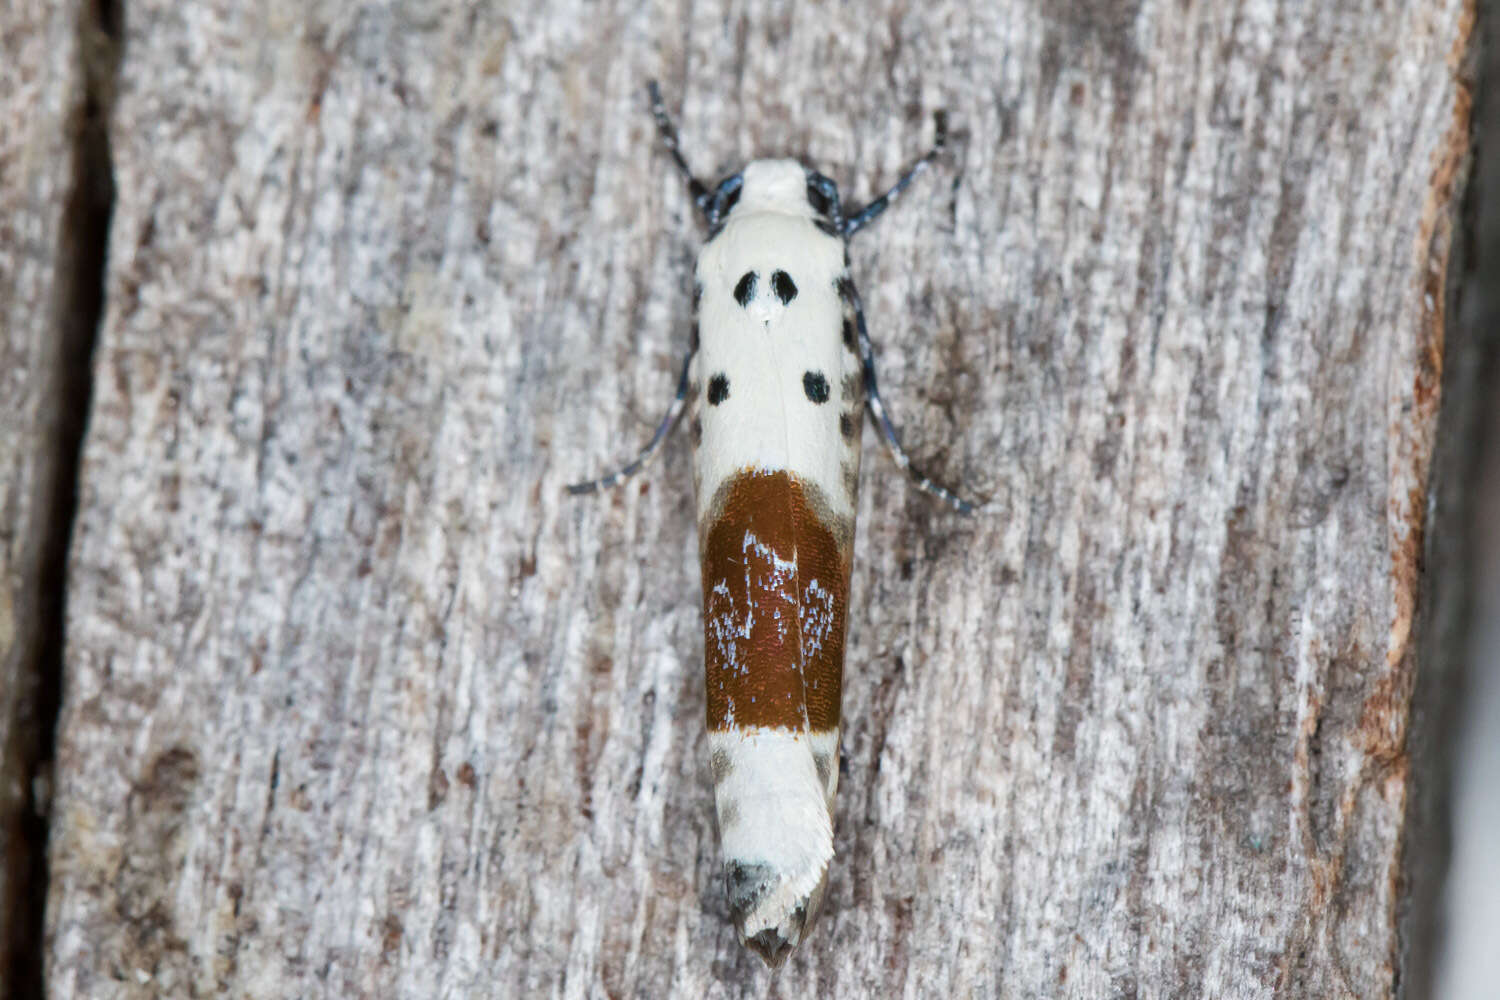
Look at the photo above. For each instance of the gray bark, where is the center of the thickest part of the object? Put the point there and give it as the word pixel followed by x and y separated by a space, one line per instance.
pixel 51 243
pixel 358 703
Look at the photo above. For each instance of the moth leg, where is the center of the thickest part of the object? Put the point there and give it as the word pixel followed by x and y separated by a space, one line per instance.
pixel 858 220
pixel 700 193
pixel 674 413
pixel 882 419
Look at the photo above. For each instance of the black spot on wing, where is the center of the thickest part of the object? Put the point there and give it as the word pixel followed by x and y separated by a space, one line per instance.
pixel 850 473
pixel 745 290
pixel 815 385
pixel 720 765
pixel 847 426
pixel 718 389
pixel 784 287
pixel 849 333
pixel 748 884
pixel 845 289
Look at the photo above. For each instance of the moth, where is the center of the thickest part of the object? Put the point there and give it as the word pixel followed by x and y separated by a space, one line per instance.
pixel 774 387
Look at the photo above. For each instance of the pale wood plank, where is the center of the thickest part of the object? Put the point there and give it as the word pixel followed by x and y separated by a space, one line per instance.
pixel 49 245
pixel 359 704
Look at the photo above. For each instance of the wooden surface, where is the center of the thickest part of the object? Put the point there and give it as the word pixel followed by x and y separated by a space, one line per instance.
pixel 44 316
pixel 358 703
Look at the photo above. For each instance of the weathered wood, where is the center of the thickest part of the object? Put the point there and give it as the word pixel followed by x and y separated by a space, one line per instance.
pixel 1451 913
pixel 50 247
pixel 358 703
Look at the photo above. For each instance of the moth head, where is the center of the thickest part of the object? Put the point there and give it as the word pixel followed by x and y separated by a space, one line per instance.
pixel 775 186
pixel 784 187
pixel 778 186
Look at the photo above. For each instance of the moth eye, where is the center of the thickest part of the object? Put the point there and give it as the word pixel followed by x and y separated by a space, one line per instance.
pixel 817 197
pixel 745 290
pixel 731 199
pixel 784 287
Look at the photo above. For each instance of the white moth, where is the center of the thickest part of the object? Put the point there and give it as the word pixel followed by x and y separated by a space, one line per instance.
pixel 774 386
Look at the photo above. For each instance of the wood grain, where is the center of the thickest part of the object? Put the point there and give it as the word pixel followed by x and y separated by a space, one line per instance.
pixel 359 703
pixel 51 247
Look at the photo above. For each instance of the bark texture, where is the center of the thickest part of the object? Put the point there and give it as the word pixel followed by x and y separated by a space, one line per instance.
pixel 52 212
pixel 359 703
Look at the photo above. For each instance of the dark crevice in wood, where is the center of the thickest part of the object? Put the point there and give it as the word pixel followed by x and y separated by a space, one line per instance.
pixel 1471 363
pixel 79 308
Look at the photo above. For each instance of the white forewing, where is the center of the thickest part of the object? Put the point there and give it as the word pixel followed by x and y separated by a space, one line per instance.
pixel 768 350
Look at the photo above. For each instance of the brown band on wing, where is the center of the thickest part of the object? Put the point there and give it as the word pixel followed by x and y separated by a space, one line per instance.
pixel 775 601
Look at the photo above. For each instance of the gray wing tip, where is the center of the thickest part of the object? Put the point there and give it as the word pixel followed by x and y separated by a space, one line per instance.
pixel 771 947
pixel 749 885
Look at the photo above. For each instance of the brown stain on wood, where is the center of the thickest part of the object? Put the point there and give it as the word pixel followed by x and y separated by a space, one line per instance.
pixel 160 806
pixel 390 931
pixel 1382 732
pixel 775 606
pixel 437 788
pixel 1434 249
